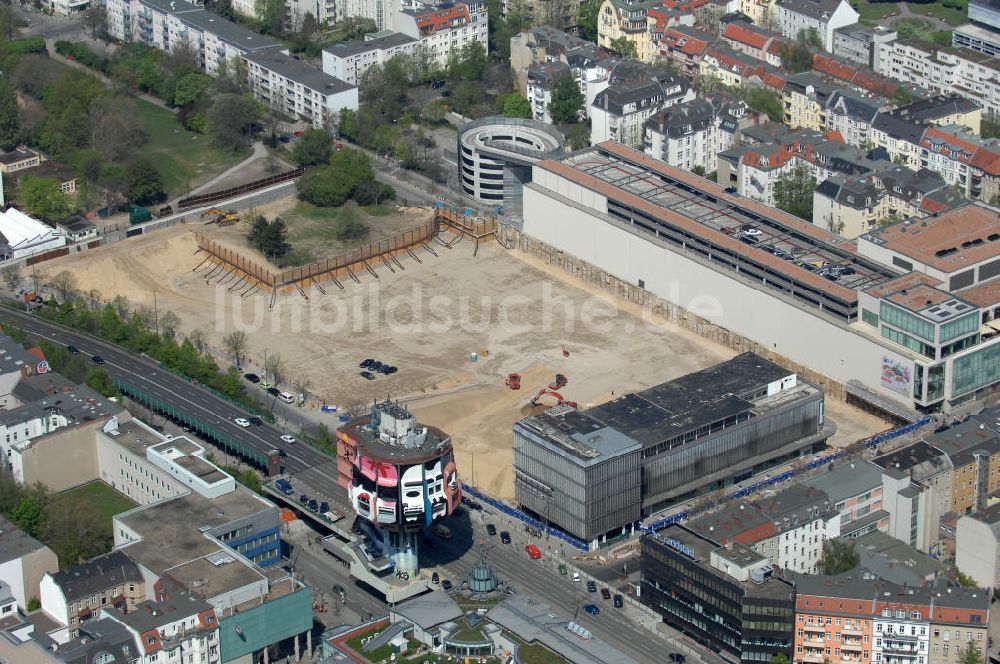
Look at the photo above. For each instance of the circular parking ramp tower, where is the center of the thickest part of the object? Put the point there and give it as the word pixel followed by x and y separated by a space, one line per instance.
pixel 495 156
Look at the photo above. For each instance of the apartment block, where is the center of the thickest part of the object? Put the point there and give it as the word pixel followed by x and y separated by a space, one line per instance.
pixel 348 61
pixel 755 42
pixel 24 562
pixel 850 115
pixel 823 16
pixel 861 43
pixel 542 80
pixel 299 90
pixel 944 70
pixel 692 134
pixel 634 94
pixel 444 28
pixel 855 488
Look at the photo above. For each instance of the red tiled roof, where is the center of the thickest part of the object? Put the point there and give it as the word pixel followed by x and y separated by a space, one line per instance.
pixel 987 159
pixel 930 205
pixel 738 33
pixel 692 45
pixel 838 70
pixel 441 19
pixel 773 81
pixel 950 140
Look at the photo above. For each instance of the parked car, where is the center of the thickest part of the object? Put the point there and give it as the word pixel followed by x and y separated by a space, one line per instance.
pixel 491 530
pixel 446 584
pixel 605 593
pixel 591 586
pixel 273 391
pixel 324 507
pixel 282 453
pixel 619 602
pixel 72 349
pixel 256 421
pixel 97 359
pixel 288 439
pixel 367 363
pixel 303 498
pixel 387 369
pixel 367 375
pixel 592 609
pixel 242 421
pixel 533 552
pixel 314 505
pixel 376 366
pixel 677 657
pixel 252 377
pixel 505 537
pixel 435 579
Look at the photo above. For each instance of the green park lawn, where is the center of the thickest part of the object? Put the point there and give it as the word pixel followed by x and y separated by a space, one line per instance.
pixel 100 496
pixel 185 159
pixel 872 12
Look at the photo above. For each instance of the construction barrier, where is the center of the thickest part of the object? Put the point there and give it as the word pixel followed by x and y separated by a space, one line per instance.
pixel 215 196
pixel 531 521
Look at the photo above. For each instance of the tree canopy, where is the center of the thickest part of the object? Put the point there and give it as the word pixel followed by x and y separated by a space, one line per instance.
pixel 516 106
pixel 838 557
pixel 143 182
pixel 567 101
pixel 44 198
pixel 269 237
pixel 313 148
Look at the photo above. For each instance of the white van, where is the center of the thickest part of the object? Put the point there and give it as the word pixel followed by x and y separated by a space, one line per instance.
pixel 286 397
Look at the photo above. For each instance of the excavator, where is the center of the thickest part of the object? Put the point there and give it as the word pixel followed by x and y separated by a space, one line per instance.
pixel 221 217
pixel 560 382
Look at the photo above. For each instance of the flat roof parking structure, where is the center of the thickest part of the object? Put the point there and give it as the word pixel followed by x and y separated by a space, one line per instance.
pixel 783 252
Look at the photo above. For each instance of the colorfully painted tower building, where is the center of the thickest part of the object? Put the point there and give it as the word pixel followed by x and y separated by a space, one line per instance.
pixel 400 477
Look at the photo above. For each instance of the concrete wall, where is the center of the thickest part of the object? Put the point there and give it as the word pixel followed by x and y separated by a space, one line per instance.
pixel 976 552
pixel 53 601
pixel 34 567
pixel 61 460
pixel 693 294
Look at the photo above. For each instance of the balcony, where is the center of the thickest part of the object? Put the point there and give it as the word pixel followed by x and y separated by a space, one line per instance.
pixel 899 651
pixel 851 646
pixel 813 659
pixel 851 631
pixel 814 628
pixel 813 643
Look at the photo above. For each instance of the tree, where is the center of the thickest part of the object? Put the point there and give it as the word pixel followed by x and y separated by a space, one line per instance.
pixel 902 96
pixel 304 38
pixel 579 136
pixel 707 83
pixel 235 344
pixel 65 284
pixel 169 322
pixel 231 118
pixel 113 128
pixel 810 37
pixel 143 182
pixel 274 368
pixel 43 197
pixel 965 580
pixel 270 238
pixel 9 22
pixel 190 88
pixel 624 47
pixel 587 19
pixel 197 339
pixel 709 18
pixel 11 275
pixel 9 116
pixel 764 100
pixel 567 102
pixel 516 106
pixel 780 658
pixel 101 382
pixel 314 148
pixel 270 16
pixel 349 226
pixel 796 57
pixel 838 557
pixel 970 654
pixel 95 19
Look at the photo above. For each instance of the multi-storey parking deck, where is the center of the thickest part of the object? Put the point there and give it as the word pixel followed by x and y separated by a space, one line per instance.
pixel 759 242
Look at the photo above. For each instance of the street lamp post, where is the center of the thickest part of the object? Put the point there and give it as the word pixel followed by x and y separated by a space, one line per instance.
pixel 156 315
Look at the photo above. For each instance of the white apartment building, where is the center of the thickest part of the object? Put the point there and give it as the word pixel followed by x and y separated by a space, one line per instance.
pixel 165 24
pixel 852 116
pixel 297 89
pixel 943 70
pixel 691 135
pixel 349 61
pixel 901 634
pixel 620 111
pixel 383 12
pixel 68 7
pixel 542 80
pixel 445 28
pixel 824 16
pixel 178 628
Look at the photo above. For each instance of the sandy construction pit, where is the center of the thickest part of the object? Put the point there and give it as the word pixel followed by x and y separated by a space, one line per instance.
pixel 516 314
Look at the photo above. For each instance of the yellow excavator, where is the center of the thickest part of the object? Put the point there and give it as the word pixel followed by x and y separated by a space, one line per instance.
pixel 221 217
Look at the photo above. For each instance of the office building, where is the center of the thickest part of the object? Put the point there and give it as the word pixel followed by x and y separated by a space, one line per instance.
pixel 727 597
pixel 597 471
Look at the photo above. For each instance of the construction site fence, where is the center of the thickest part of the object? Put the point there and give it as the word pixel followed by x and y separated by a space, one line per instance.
pixel 263 183
pixel 862 445
pixel 521 516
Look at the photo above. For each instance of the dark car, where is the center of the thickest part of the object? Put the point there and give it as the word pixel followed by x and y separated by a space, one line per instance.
pixel 605 593
pixel 324 507
pixel 303 499
pixel 591 587
pixel 388 369
pixel 97 359
pixel 367 363
pixel 435 579
pixel 252 377
pixel 273 391
pixel 376 366
pixel 677 657
pixel 282 453
pixel 284 138
pixel 491 530
pixel 730 190
pixel 314 505
pixel 367 375
pixel 340 590
pixel 446 584
pixel 436 85
pixel 72 349
pixel 619 602
pixel 505 537
pixel 592 609
pixel 256 421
